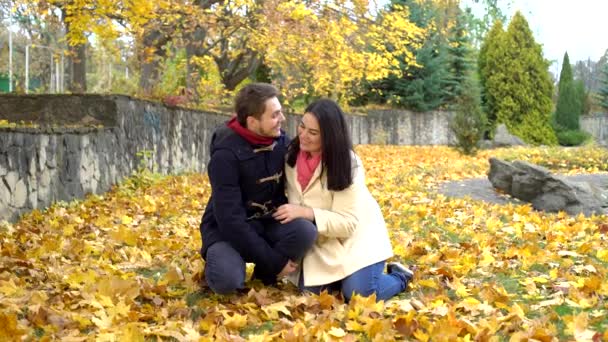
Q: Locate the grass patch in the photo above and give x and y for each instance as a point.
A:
(508, 282)
(155, 273)
(257, 329)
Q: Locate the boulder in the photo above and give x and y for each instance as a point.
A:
(546, 192)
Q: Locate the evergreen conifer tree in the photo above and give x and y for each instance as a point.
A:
(422, 87)
(603, 91)
(459, 54)
(518, 85)
(569, 102)
(583, 95)
(490, 54)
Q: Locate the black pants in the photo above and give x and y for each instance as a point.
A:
(225, 268)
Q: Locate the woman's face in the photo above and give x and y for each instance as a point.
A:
(310, 134)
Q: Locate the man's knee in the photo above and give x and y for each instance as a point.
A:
(306, 233)
(225, 281)
(224, 268)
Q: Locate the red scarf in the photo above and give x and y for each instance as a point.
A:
(251, 137)
(306, 164)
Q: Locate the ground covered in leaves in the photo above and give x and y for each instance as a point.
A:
(125, 265)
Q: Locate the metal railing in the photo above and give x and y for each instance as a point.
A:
(58, 81)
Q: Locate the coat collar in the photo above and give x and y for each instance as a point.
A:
(315, 177)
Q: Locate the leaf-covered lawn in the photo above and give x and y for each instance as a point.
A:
(125, 265)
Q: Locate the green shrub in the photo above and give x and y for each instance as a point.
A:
(469, 122)
(572, 137)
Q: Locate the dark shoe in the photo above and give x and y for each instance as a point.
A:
(393, 267)
(263, 277)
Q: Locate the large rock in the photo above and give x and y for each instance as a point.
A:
(502, 138)
(535, 184)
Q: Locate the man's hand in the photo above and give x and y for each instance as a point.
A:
(289, 212)
(289, 268)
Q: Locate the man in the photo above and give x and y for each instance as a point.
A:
(247, 185)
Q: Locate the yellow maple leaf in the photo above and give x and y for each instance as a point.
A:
(120, 310)
(462, 291)
(68, 230)
(337, 332)
(9, 328)
(149, 205)
(428, 283)
(421, 335)
(553, 273)
(354, 326)
(191, 334)
(104, 300)
(487, 258)
(78, 279)
(577, 326)
(272, 310)
(125, 235)
(602, 254)
(102, 320)
(126, 219)
(233, 320)
(9, 288)
(469, 304)
(541, 280)
(132, 332)
(173, 276)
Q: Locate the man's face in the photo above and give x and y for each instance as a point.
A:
(269, 123)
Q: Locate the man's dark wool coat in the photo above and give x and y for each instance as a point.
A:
(247, 186)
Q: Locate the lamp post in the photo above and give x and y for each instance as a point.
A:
(10, 47)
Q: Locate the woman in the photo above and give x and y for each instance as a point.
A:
(326, 185)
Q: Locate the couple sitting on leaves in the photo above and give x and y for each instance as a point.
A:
(299, 210)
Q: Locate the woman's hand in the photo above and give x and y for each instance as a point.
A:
(289, 212)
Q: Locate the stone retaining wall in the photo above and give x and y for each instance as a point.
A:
(102, 140)
(86, 143)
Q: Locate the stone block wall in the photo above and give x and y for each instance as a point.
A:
(84, 144)
(597, 125)
(402, 127)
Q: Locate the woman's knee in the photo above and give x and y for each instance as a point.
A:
(350, 289)
(363, 282)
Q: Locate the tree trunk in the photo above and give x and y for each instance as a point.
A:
(194, 48)
(77, 62)
(234, 71)
(154, 39)
(78, 69)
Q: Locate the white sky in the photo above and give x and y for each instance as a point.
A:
(578, 27)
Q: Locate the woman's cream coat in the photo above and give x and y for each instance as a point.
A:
(352, 231)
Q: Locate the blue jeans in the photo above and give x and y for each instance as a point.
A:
(364, 282)
(225, 268)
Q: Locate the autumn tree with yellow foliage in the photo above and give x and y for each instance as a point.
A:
(322, 49)
(76, 21)
(312, 48)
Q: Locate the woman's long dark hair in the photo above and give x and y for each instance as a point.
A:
(336, 145)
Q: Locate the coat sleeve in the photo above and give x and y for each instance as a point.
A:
(341, 221)
(230, 214)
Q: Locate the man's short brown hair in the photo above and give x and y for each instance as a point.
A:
(251, 101)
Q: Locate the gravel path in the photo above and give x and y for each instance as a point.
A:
(481, 189)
